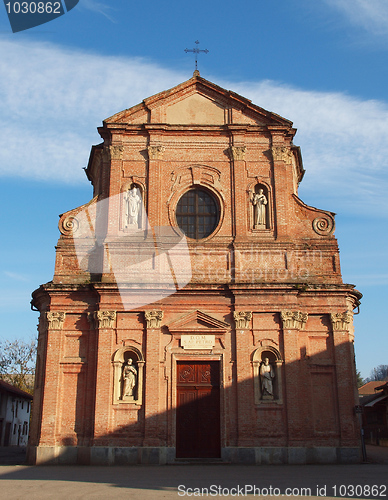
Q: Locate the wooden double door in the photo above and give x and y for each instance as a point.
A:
(198, 410)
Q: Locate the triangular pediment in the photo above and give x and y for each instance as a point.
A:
(198, 321)
(198, 102)
(196, 109)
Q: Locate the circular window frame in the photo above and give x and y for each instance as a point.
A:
(174, 204)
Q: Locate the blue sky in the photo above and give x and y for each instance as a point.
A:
(321, 64)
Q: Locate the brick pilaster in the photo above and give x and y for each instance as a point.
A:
(50, 401)
(244, 380)
(293, 321)
(105, 324)
(343, 356)
(152, 377)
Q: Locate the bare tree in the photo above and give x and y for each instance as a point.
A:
(17, 363)
(378, 373)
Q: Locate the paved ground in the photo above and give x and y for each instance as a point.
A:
(173, 482)
(377, 454)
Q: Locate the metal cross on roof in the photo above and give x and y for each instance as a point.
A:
(196, 51)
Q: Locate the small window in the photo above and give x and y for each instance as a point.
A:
(197, 213)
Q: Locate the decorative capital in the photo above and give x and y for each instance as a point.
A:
(242, 319)
(55, 320)
(155, 152)
(282, 153)
(153, 318)
(113, 152)
(105, 319)
(341, 321)
(294, 319)
(116, 152)
(237, 152)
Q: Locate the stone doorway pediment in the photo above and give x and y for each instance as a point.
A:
(198, 322)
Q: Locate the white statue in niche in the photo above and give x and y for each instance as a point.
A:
(259, 201)
(129, 378)
(267, 375)
(132, 201)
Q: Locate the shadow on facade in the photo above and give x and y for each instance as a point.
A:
(310, 420)
(216, 414)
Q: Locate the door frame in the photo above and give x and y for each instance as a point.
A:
(200, 357)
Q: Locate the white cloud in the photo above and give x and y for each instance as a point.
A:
(372, 15)
(99, 7)
(52, 100)
(15, 300)
(16, 276)
(343, 142)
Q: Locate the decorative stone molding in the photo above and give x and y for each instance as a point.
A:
(323, 226)
(55, 320)
(70, 222)
(153, 318)
(294, 319)
(69, 225)
(113, 152)
(116, 152)
(242, 319)
(105, 319)
(341, 321)
(195, 174)
(155, 152)
(282, 153)
(237, 152)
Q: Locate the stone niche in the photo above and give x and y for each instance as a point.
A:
(275, 371)
(260, 207)
(128, 366)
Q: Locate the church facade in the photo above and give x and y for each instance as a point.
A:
(197, 309)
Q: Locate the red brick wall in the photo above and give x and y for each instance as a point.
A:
(292, 264)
